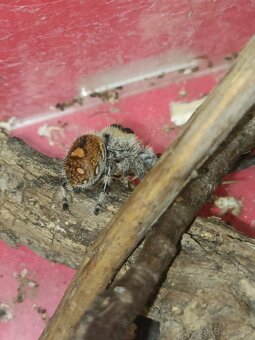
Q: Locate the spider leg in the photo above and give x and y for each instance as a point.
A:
(126, 182)
(65, 204)
(106, 183)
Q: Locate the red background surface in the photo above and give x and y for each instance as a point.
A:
(48, 48)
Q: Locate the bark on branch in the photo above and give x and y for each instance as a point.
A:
(30, 205)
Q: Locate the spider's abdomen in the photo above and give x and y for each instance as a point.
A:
(85, 161)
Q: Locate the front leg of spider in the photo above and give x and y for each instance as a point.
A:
(65, 204)
(127, 183)
(107, 179)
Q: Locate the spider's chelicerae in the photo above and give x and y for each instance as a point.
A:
(101, 156)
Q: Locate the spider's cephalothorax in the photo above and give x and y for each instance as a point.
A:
(98, 157)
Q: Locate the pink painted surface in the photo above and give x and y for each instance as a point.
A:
(240, 185)
(147, 113)
(49, 47)
(46, 54)
(43, 285)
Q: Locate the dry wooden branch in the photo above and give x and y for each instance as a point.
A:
(30, 206)
(209, 293)
(118, 305)
(218, 115)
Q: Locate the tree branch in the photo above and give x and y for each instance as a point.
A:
(30, 205)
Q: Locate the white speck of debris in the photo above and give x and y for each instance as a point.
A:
(48, 131)
(23, 273)
(8, 124)
(124, 295)
(181, 112)
(175, 309)
(182, 93)
(83, 92)
(44, 316)
(31, 284)
(5, 313)
(111, 208)
(228, 182)
(187, 71)
(228, 204)
(58, 228)
(194, 174)
(120, 290)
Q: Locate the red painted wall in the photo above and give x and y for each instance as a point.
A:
(48, 47)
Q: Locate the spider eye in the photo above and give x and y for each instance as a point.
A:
(106, 136)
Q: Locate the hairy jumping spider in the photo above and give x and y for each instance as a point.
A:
(99, 157)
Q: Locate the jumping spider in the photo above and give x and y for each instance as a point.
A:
(99, 157)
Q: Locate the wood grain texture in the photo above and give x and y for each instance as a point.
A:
(212, 122)
(209, 292)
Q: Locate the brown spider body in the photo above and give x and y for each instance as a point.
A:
(99, 157)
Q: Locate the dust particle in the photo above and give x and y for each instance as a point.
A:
(5, 313)
(228, 204)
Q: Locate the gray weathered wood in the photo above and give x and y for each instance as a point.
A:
(30, 205)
